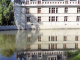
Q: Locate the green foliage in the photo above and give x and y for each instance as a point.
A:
(76, 58)
(73, 55)
(7, 45)
(69, 54)
(0, 19)
(1, 10)
(76, 53)
(6, 12)
(4, 3)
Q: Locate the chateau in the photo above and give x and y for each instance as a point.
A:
(47, 14)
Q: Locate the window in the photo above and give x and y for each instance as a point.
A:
(39, 1)
(53, 10)
(52, 58)
(78, 10)
(39, 38)
(52, 46)
(55, 38)
(64, 46)
(66, 9)
(65, 18)
(49, 46)
(65, 38)
(28, 54)
(27, 11)
(53, 18)
(76, 45)
(39, 10)
(39, 19)
(50, 10)
(48, 58)
(76, 38)
(39, 54)
(49, 18)
(56, 18)
(56, 10)
(78, 1)
(55, 46)
(78, 18)
(28, 19)
(27, 1)
(66, 1)
(49, 38)
(39, 46)
(52, 38)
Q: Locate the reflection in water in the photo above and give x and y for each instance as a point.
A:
(39, 44)
(7, 44)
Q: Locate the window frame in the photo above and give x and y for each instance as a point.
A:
(39, 38)
(28, 19)
(65, 18)
(27, 10)
(65, 38)
(66, 9)
(76, 38)
(39, 18)
(39, 10)
(78, 18)
(78, 9)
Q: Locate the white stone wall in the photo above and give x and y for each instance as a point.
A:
(46, 9)
(21, 21)
(72, 10)
(72, 18)
(61, 10)
(17, 15)
(60, 18)
(33, 10)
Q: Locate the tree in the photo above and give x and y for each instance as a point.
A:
(76, 57)
(6, 12)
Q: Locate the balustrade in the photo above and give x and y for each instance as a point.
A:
(28, 2)
(33, 2)
(47, 2)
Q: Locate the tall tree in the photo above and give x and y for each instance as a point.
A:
(6, 12)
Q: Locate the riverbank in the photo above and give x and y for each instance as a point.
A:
(14, 27)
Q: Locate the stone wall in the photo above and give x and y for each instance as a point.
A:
(10, 27)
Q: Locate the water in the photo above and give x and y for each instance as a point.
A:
(38, 44)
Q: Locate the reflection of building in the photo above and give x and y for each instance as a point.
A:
(39, 55)
(49, 39)
(48, 42)
(50, 13)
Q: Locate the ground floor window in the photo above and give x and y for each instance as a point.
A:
(28, 19)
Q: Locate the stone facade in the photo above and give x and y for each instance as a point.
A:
(44, 14)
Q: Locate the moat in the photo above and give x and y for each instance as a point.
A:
(38, 44)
